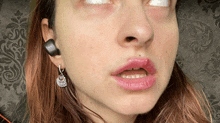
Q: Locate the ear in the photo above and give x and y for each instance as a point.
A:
(48, 33)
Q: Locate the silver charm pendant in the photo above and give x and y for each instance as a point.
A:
(61, 80)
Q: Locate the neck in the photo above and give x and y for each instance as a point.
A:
(111, 117)
(104, 115)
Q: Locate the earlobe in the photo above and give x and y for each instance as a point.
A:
(49, 45)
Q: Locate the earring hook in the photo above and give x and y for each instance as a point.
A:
(61, 71)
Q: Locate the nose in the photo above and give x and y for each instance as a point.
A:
(135, 30)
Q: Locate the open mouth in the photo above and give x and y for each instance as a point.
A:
(137, 74)
(133, 73)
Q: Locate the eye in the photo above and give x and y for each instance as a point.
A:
(162, 3)
(97, 1)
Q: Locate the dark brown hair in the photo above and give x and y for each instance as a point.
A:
(48, 103)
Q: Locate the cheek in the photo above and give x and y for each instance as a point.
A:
(84, 52)
(85, 49)
(164, 48)
(166, 42)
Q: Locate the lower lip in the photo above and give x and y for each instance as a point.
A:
(136, 84)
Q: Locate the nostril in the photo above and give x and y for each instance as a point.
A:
(130, 38)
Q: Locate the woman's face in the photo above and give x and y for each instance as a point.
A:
(96, 40)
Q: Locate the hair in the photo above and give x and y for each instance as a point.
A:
(48, 103)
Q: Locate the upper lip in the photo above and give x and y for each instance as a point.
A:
(144, 63)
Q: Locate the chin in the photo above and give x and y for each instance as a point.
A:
(136, 111)
(138, 107)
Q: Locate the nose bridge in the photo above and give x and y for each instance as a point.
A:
(138, 21)
(136, 11)
(135, 25)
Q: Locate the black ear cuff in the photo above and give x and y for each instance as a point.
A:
(51, 48)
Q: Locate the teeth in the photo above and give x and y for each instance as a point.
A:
(133, 76)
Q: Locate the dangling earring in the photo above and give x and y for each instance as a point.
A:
(61, 80)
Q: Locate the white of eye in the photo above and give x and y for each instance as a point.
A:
(97, 1)
(163, 3)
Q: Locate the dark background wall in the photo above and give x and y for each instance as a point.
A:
(198, 54)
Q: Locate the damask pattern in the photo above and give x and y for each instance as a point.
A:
(214, 6)
(1, 2)
(199, 49)
(12, 56)
(12, 60)
(198, 54)
(199, 35)
(212, 67)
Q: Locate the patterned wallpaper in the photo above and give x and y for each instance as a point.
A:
(198, 54)
(13, 26)
(199, 49)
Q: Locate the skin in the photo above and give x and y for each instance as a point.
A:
(92, 41)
